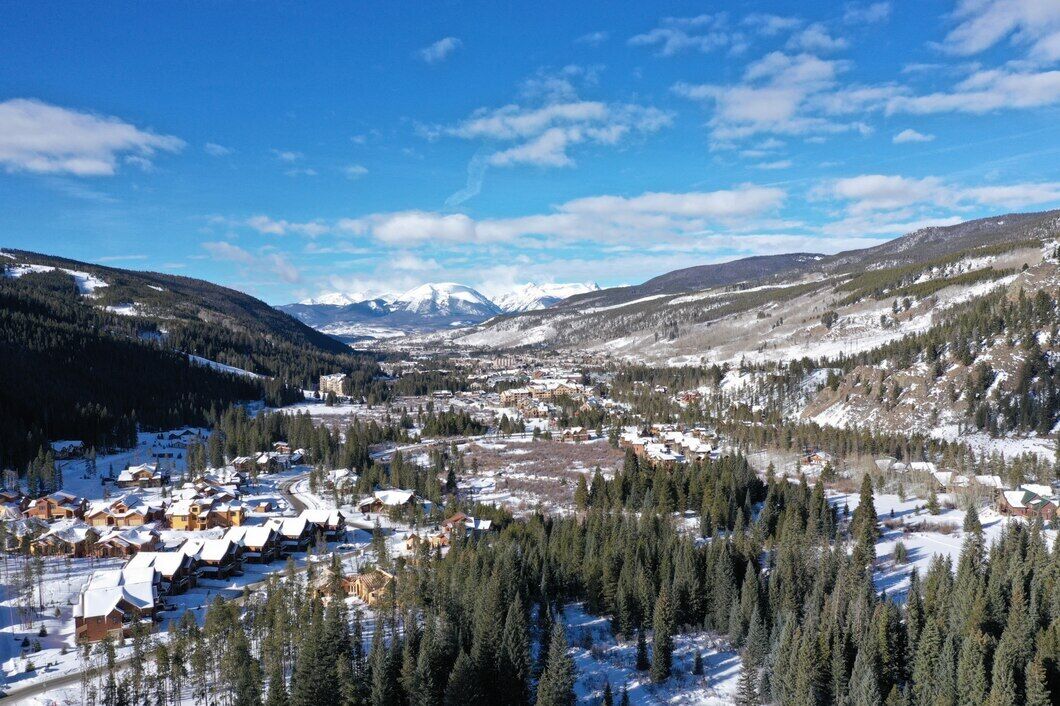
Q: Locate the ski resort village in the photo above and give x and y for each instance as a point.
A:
(681, 353)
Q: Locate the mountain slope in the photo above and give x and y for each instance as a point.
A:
(531, 297)
(773, 306)
(428, 307)
(90, 352)
(445, 300)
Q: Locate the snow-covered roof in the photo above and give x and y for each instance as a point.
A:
(166, 563)
(216, 549)
(394, 497)
(106, 590)
(322, 517)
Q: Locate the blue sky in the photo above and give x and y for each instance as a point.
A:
(291, 150)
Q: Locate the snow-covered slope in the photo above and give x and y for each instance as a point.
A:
(531, 296)
(445, 299)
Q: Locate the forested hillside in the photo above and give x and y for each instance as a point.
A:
(73, 366)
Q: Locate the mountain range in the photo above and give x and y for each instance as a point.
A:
(352, 316)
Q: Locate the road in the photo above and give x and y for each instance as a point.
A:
(43, 686)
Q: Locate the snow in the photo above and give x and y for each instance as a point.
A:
(222, 367)
(444, 298)
(124, 309)
(86, 283)
(922, 544)
(532, 296)
(600, 658)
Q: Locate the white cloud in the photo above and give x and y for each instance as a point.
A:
(215, 150)
(545, 134)
(985, 91)
(273, 262)
(771, 25)
(857, 13)
(593, 38)
(607, 218)
(270, 226)
(983, 23)
(777, 164)
(355, 171)
(871, 193)
(816, 38)
(703, 33)
(47, 139)
(288, 156)
(911, 135)
(780, 94)
(411, 263)
(440, 50)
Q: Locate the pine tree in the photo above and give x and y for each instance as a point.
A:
(972, 681)
(515, 662)
(248, 676)
(643, 663)
(463, 687)
(608, 698)
(556, 686)
(747, 687)
(662, 637)
(864, 680)
(1036, 690)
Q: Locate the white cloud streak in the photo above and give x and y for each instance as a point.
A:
(41, 138)
(440, 50)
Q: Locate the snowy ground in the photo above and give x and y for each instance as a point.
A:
(941, 534)
(600, 658)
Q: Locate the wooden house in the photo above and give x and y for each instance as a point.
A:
(371, 586)
(57, 506)
(145, 475)
(113, 602)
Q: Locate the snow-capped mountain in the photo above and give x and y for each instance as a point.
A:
(428, 307)
(336, 299)
(445, 299)
(532, 296)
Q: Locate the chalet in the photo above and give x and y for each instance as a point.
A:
(247, 464)
(271, 462)
(10, 512)
(383, 499)
(20, 532)
(371, 586)
(70, 538)
(226, 477)
(662, 453)
(176, 569)
(126, 511)
(576, 434)
(281, 447)
(1028, 501)
(469, 526)
(295, 533)
(205, 513)
(259, 544)
(884, 463)
(217, 558)
(57, 506)
(113, 602)
(125, 543)
(70, 448)
(330, 522)
(145, 475)
(340, 478)
(12, 497)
